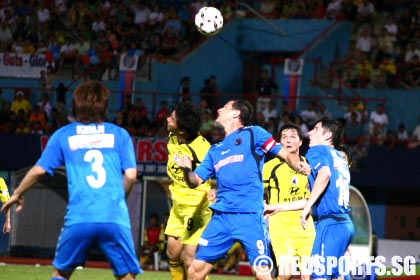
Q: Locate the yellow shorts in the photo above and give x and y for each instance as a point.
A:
(285, 247)
(188, 223)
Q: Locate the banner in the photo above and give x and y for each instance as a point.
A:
(18, 65)
(292, 76)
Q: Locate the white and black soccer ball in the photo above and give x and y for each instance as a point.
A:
(209, 21)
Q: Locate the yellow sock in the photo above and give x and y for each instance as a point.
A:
(207, 278)
(177, 270)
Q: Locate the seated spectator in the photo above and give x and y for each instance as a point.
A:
(303, 127)
(363, 72)
(68, 54)
(402, 135)
(37, 117)
(412, 77)
(7, 118)
(379, 118)
(385, 45)
(353, 130)
(352, 109)
(271, 111)
(21, 102)
(412, 50)
(310, 116)
(387, 73)
(207, 126)
(365, 14)
(333, 9)
(6, 38)
(161, 115)
(391, 28)
(170, 42)
(152, 241)
(45, 105)
(268, 8)
(390, 139)
(365, 42)
(416, 132)
(323, 112)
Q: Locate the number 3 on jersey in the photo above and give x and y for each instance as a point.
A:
(98, 179)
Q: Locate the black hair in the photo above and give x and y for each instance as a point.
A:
(346, 149)
(245, 109)
(189, 118)
(291, 126)
(336, 129)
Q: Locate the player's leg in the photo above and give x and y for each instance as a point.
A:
(283, 251)
(176, 263)
(215, 241)
(174, 230)
(255, 242)
(303, 250)
(71, 249)
(194, 224)
(117, 243)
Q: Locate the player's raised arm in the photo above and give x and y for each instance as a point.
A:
(28, 181)
(192, 179)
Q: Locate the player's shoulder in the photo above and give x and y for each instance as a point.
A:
(272, 163)
(319, 150)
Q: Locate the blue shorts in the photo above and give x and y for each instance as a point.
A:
(116, 242)
(225, 229)
(333, 236)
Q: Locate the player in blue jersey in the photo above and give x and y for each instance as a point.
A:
(329, 183)
(101, 170)
(237, 164)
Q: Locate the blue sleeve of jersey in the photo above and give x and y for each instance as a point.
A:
(127, 154)
(206, 168)
(317, 157)
(264, 140)
(52, 157)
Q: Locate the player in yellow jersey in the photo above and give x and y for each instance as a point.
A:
(4, 196)
(287, 193)
(190, 213)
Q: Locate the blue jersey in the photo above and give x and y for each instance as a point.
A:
(237, 164)
(335, 199)
(95, 156)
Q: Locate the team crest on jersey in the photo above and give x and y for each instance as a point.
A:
(176, 157)
(238, 141)
(295, 181)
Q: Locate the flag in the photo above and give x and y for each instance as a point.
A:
(291, 86)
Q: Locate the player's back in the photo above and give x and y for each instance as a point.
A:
(95, 156)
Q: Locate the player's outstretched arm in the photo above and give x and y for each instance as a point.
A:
(130, 176)
(192, 179)
(321, 183)
(293, 160)
(28, 181)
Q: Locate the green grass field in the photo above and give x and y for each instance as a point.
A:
(32, 272)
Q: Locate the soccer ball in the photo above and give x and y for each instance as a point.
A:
(209, 21)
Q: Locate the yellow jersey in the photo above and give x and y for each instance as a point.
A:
(182, 195)
(4, 192)
(285, 185)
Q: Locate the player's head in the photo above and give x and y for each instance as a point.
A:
(346, 153)
(91, 102)
(245, 111)
(290, 137)
(235, 110)
(185, 119)
(326, 132)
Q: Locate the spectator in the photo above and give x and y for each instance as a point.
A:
(412, 77)
(391, 28)
(207, 126)
(271, 111)
(161, 115)
(45, 106)
(416, 132)
(303, 127)
(170, 42)
(412, 50)
(323, 112)
(365, 42)
(353, 129)
(309, 115)
(37, 117)
(387, 73)
(68, 53)
(285, 120)
(402, 134)
(265, 88)
(333, 9)
(5, 37)
(184, 91)
(379, 118)
(365, 14)
(152, 242)
(21, 102)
